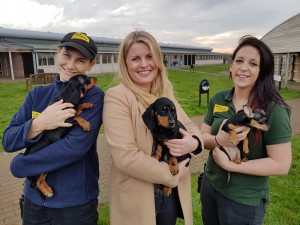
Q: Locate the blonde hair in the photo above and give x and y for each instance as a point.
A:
(161, 86)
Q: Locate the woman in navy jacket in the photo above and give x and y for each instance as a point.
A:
(72, 162)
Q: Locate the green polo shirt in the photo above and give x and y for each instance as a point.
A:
(242, 188)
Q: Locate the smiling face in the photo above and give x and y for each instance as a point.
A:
(245, 67)
(72, 62)
(141, 66)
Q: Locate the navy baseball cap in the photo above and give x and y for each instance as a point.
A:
(81, 42)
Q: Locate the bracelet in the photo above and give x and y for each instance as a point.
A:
(199, 148)
(217, 141)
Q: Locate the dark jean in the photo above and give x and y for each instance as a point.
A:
(168, 208)
(219, 210)
(86, 214)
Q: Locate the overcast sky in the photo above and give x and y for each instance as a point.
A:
(217, 24)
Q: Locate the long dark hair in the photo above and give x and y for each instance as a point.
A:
(264, 91)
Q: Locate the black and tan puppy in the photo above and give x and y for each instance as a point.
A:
(248, 118)
(71, 92)
(161, 119)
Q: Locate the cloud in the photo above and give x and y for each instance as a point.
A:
(13, 14)
(121, 11)
(217, 24)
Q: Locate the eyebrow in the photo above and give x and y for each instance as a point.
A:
(241, 57)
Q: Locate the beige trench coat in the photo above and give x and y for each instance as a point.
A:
(133, 171)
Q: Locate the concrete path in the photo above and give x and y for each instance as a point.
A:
(11, 188)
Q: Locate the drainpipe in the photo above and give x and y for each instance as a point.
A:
(11, 66)
(287, 70)
(34, 57)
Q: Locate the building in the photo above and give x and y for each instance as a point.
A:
(23, 52)
(284, 41)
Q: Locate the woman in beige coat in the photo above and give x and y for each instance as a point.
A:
(133, 171)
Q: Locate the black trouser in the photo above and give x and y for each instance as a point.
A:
(219, 210)
(86, 214)
(168, 208)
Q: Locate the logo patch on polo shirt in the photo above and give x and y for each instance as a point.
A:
(220, 108)
(35, 114)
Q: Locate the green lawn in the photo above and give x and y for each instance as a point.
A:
(285, 191)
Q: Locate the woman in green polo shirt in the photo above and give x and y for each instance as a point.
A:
(243, 200)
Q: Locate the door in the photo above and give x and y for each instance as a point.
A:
(27, 63)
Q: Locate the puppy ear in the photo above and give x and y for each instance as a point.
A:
(148, 117)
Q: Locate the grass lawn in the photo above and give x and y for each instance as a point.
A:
(284, 201)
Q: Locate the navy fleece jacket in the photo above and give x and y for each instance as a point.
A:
(72, 162)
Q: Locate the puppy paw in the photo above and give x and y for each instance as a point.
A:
(174, 170)
(237, 161)
(167, 190)
(86, 126)
(87, 105)
(45, 190)
(158, 152)
(173, 165)
(48, 194)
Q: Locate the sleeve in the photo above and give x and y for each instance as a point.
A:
(73, 147)
(15, 135)
(191, 127)
(280, 127)
(125, 138)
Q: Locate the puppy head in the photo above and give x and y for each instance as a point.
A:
(160, 113)
(75, 88)
(80, 82)
(259, 120)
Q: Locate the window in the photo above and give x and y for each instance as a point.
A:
(115, 58)
(42, 59)
(46, 59)
(106, 58)
(97, 59)
(51, 59)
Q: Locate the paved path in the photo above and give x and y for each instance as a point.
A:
(11, 188)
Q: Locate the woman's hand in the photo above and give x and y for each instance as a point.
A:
(179, 147)
(52, 117)
(223, 138)
(222, 159)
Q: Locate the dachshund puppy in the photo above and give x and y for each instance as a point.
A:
(161, 119)
(248, 118)
(72, 91)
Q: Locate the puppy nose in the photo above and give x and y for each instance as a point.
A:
(171, 123)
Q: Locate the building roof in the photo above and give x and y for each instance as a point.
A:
(42, 41)
(6, 46)
(178, 47)
(284, 38)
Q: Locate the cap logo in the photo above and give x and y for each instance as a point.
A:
(81, 36)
